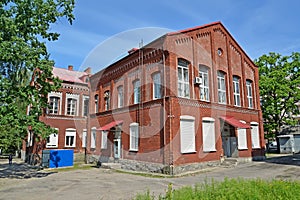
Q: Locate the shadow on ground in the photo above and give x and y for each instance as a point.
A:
(21, 171)
(285, 159)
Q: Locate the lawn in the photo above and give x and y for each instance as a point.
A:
(231, 189)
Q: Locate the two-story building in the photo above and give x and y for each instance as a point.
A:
(67, 112)
(187, 99)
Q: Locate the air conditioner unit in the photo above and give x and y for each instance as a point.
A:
(198, 80)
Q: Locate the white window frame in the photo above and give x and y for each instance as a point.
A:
(96, 98)
(136, 91)
(72, 97)
(54, 105)
(249, 93)
(157, 85)
(107, 100)
(187, 134)
(53, 140)
(242, 137)
(208, 134)
(120, 96)
(84, 99)
(70, 132)
(84, 137)
(221, 87)
(236, 91)
(255, 135)
(183, 79)
(93, 137)
(134, 137)
(104, 139)
(204, 86)
(58, 95)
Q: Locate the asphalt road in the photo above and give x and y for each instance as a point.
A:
(21, 181)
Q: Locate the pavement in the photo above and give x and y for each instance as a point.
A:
(22, 181)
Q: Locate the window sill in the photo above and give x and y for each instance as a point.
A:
(209, 151)
(190, 152)
(133, 150)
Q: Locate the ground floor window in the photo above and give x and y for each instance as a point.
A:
(52, 140)
(187, 134)
(208, 134)
(84, 135)
(134, 137)
(93, 138)
(104, 140)
(70, 140)
(255, 135)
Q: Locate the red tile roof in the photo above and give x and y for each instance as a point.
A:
(110, 125)
(68, 75)
(234, 122)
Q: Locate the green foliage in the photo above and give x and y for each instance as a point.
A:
(232, 189)
(25, 69)
(279, 89)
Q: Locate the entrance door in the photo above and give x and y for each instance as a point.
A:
(229, 141)
(117, 148)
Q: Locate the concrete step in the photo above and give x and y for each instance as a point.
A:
(229, 162)
(111, 165)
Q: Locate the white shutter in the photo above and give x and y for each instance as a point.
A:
(104, 140)
(208, 133)
(134, 136)
(255, 135)
(84, 138)
(242, 138)
(187, 134)
(93, 138)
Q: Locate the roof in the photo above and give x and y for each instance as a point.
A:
(110, 125)
(69, 75)
(193, 28)
(234, 122)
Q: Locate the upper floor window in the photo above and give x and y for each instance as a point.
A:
(85, 106)
(221, 87)
(204, 86)
(183, 79)
(249, 93)
(106, 100)
(71, 106)
(120, 97)
(54, 105)
(96, 103)
(156, 86)
(236, 91)
(136, 91)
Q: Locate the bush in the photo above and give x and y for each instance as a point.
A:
(232, 189)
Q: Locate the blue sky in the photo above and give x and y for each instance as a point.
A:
(104, 30)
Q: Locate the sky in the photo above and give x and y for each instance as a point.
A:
(104, 30)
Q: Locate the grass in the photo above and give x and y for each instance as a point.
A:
(232, 189)
(76, 166)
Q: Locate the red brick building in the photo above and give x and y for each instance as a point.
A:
(187, 99)
(68, 113)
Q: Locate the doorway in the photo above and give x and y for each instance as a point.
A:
(117, 148)
(229, 141)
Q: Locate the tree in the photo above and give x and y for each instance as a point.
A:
(279, 84)
(26, 70)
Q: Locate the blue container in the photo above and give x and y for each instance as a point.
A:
(61, 158)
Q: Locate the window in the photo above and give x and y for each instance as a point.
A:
(221, 87)
(242, 137)
(52, 140)
(70, 140)
(255, 135)
(208, 134)
(236, 91)
(106, 100)
(136, 92)
(183, 79)
(156, 86)
(54, 105)
(134, 137)
(96, 103)
(204, 86)
(85, 105)
(93, 137)
(104, 140)
(249, 93)
(187, 134)
(71, 106)
(84, 135)
(120, 97)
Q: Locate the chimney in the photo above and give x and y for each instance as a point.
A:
(70, 67)
(88, 70)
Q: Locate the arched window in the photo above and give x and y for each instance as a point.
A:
(221, 87)
(249, 93)
(204, 86)
(236, 91)
(183, 78)
(156, 85)
(96, 103)
(136, 91)
(120, 97)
